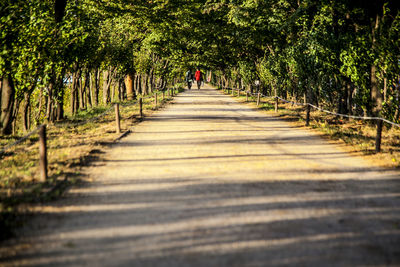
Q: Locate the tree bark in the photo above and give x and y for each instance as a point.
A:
(349, 98)
(151, 81)
(112, 90)
(82, 98)
(37, 117)
(96, 87)
(146, 84)
(88, 89)
(7, 104)
(27, 97)
(85, 90)
(106, 86)
(74, 91)
(397, 112)
(60, 98)
(129, 85)
(376, 95)
(49, 106)
(137, 84)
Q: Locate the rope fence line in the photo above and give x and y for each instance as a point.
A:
(339, 114)
(323, 110)
(2, 151)
(7, 147)
(379, 120)
(41, 129)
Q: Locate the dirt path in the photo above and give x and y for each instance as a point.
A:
(211, 182)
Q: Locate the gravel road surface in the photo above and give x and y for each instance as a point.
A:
(208, 181)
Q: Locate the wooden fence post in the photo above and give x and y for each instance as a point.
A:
(141, 108)
(117, 122)
(378, 138)
(43, 153)
(247, 96)
(258, 99)
(308, 115)
(238, 93)
(276, 104)
(233, 92)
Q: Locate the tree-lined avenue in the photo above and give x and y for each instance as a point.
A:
(209, 181)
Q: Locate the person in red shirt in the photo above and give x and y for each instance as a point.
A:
(199, 78)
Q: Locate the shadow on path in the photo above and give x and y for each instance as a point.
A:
(206, 185)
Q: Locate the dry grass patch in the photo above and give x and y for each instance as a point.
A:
(358, 136)
(71, 144)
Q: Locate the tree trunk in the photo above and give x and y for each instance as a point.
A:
(96, 87)
(349, 98)
(81, 93)
(151, 81)
(137, 84)
(143, 82)
(83, 90)
(384, 89)
(88, 90)
(376, 95)
(60, 107)
(14, 116)
(120, 90)
(112, 90)
(146, 83)
(74, 91)
(106, 86)
(397, 112)
(129, 85)
(7, 104)
(163, 82)
(26, 122)
(37, 117)
(49, 107)
(124, 91)
(59, 112)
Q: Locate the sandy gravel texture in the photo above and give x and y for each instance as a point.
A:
(211, 182)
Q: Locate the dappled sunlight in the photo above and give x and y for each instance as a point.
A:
(213, 190)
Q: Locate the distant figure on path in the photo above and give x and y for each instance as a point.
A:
(199, 78)
(189, 79)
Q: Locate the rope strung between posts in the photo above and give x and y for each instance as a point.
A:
(327, 111)
(355, 117)
(4, 149)
(290, 102)
(7, 147)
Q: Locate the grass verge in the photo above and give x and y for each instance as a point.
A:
(71, 144)
(358, 136)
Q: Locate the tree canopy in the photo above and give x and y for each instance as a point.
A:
(337, 53)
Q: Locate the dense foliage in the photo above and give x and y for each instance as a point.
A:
(61, 56)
